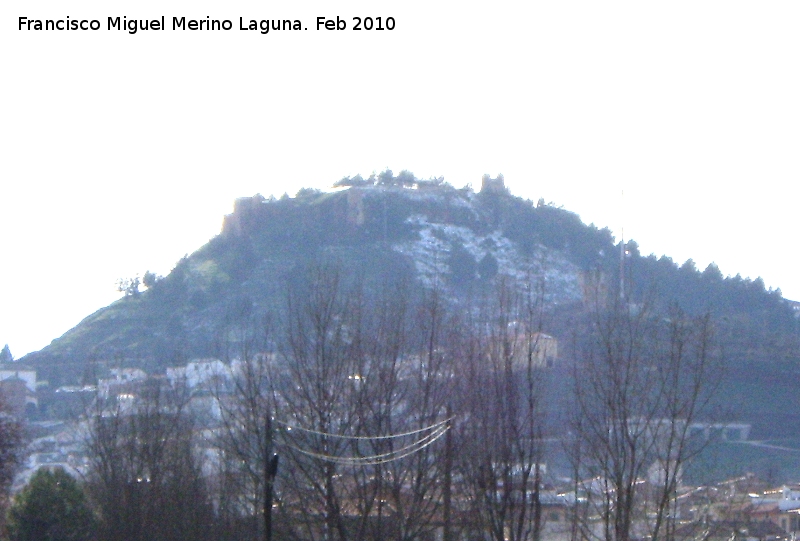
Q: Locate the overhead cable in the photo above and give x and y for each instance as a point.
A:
(374, 460)
(371, 438)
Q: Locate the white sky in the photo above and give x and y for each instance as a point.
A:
(121, 153)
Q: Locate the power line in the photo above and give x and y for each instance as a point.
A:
(344, 436)
(437, 430)
(383, 458)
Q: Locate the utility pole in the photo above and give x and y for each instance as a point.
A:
(448, 478)
(270, 471)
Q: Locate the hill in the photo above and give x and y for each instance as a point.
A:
(389, 229)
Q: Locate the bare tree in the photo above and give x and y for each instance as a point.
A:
(316, 393)
(366, 392)
(643, 380)
(409, 386)
(145, 476)
(248, 461)
(503, 424)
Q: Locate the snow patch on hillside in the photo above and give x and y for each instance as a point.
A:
(431, 251)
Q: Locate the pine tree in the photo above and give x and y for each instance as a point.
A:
(5, 355)
(51, 507)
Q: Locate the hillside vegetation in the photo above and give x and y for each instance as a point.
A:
(427, 234)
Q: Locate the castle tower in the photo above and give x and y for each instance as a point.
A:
(493, 185)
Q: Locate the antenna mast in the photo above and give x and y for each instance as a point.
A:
(622, 248)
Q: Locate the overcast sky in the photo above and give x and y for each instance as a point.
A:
(121, 153)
